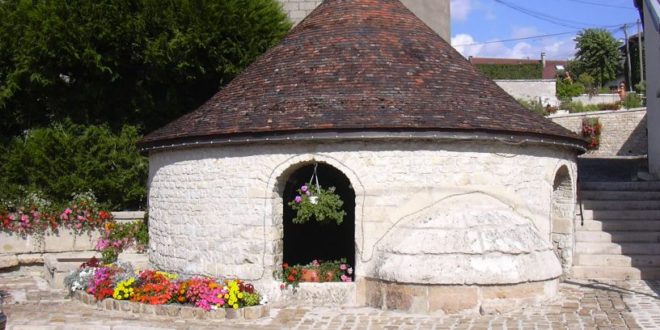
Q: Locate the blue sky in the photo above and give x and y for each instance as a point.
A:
(480, 21)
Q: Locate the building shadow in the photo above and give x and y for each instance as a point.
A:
(637, 142)
(598, 285)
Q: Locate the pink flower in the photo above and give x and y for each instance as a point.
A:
(308, 193)
(345, 278)
(343, 267)
(304, 188)
(24, 218)
(282, 286)
(68, 211)
(80, 218)
(298, 199)
(102, 244)
(315, 263)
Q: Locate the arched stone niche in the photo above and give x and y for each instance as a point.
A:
(303, 243)
(562, 217)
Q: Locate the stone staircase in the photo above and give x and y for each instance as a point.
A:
(620, 238)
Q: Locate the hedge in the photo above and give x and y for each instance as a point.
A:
(67, 158)
(511, 71)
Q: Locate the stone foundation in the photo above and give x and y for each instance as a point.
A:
(451, 299)
(330, 294)
(179, 311)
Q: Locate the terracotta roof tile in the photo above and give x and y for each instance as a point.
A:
(358, 65)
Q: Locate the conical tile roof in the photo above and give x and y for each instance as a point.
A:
(359, 66)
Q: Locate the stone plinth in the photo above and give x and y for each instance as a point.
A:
(179, 311)
(451, 299)
(330, 294)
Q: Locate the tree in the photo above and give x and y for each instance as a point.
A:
(143, 62)
(66, 158)
(598, 54)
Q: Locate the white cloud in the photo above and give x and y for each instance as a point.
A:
(524, 31)
(461, 9)
(461, 42)
(555, 48)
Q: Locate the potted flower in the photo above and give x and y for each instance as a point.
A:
(317, 271)
(322, 204)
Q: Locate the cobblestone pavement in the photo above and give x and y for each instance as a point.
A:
(30, 304)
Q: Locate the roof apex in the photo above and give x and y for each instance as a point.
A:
(359, 65)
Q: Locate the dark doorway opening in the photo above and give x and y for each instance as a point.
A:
(306, 242)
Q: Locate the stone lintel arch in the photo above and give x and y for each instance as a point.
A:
(277, 182)
(562, 215)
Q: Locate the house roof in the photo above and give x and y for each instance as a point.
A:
(548, 72)
(358, 66)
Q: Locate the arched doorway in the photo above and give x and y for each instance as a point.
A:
(313, 241)
(563, 213)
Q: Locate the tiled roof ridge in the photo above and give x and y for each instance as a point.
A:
(358, 64)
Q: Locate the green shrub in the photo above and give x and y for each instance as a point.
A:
(511, 71)
(574, 107)
(608, 106)
(632, 100)
(67, 158)
(641, 88)
(567, 89)
(533, 106)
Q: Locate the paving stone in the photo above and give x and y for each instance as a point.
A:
(617, 305)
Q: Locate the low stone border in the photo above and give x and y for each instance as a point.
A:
(182, 312)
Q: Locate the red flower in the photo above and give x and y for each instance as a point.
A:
(290, 278)
(285, 265)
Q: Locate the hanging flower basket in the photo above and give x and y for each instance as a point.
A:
(314, 201)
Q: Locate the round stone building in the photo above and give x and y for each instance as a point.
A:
(456, 197)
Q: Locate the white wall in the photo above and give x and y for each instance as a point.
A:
(218, 211)
(597, 99)
(652, 46)
(543, 90)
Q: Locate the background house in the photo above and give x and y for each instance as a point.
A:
(650, 10)
(652, 28)
(526, 79)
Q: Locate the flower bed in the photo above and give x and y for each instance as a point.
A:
(317, 271)
(36, 216)
(591, 128)
(113, 285)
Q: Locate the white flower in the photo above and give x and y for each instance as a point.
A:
(264, 300)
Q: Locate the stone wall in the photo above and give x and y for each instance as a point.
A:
(543, 90)
(218, 211)
(624, 132)
(16, 249)
(597, 99)
(435, 13)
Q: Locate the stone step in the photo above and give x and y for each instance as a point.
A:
(615, 237)
(620, 214)
(615, 273)
(620, 205)
(620, 186)
(617, 248)
(613, 260)
(619, 225)
(620, 195)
